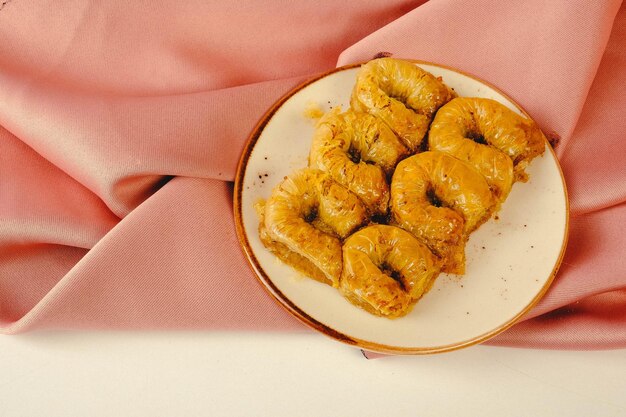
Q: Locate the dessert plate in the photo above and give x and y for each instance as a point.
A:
(511, 260)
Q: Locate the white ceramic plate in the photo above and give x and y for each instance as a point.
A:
(511, 259)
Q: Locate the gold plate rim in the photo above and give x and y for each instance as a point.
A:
(267, 283)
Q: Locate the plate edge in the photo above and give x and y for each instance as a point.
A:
(277, 295)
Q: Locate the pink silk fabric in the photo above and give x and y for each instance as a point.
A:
(121, 124)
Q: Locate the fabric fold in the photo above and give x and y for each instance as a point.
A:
(147, 273)
(193, 135)
(536, 51)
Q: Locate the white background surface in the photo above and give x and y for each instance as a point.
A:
(259, 374)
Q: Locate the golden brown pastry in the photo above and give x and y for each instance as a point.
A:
(307, 214)
(497, 142)
(359, 151)
(435, 199)
(283, 252)
(386, 270)
(440, 199)
(401, 94)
